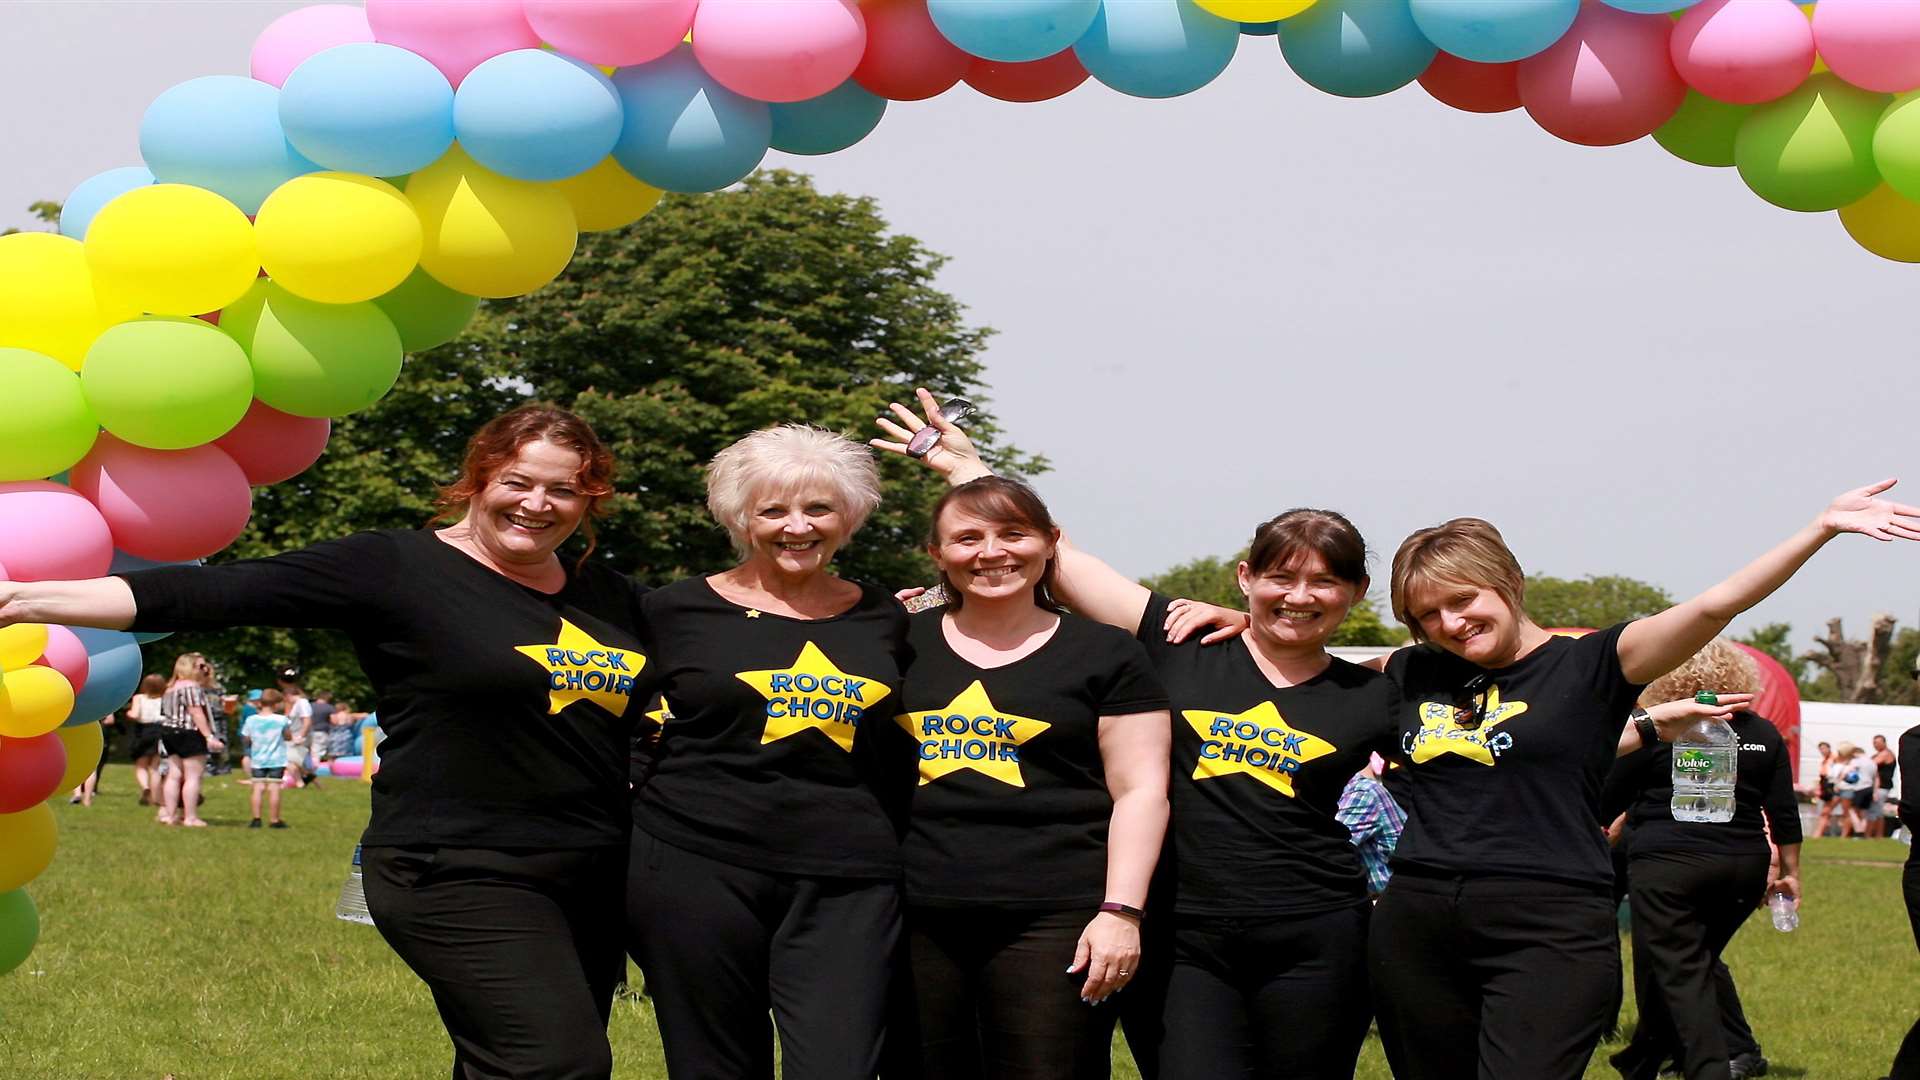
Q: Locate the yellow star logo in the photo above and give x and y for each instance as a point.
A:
(812, 693)
(971, 734)
(581, 669)
(1440, 731)
(660, 715)
(1257, 742)
(753, 613)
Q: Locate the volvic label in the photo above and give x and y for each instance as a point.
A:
(1692, 762)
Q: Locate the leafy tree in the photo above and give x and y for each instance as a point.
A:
(45, 210)
(1595, 601)
(713, 316)
(1212, 580)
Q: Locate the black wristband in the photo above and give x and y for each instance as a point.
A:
(1643, 723)
(1123, 909)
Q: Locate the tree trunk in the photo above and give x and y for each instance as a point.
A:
(1855, 665)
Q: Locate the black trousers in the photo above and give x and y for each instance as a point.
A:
(1686, 907)
(520, 948)
(987, 997)
(722, 946)
(1906, 1066)
(1490, 977)
(1273, 998)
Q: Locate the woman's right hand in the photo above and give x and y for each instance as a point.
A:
(1185, 616)
(953, 457)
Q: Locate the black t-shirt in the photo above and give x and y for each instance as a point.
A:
(1257, 774)
(507, 711)
(1519, 795)
(1642, 784)
(766, 759)
(1909, 758)
(1011, 808)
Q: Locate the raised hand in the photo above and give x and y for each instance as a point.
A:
(1862, 511)
(954, 457)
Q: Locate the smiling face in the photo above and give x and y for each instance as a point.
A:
(1299, 602)
(530, 505)
(1470, 621)
(988, 559)
(797, 532)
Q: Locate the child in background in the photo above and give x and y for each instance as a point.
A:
(266, 734)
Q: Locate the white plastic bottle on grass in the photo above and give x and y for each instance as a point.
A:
(1706, 765)
(353, 896)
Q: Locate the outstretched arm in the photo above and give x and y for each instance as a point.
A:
(105, 603)
(1651, 647)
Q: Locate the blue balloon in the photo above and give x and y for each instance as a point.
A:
(1013, 31)
(829, 123)
(222, 133)
(368, 108)
(113, 674)
(685, 132)
(122, 563)
(537, 115)
(1494, 31)
(1260, 29)
(1356, 48)
(1157, 48)
(1650, 7)
(95, 192)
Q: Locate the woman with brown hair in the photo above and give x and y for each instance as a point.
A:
(143, 736)
(507, 680)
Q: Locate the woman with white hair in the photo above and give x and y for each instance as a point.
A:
(764, 870)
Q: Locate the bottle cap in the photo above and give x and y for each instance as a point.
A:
(1707, 697)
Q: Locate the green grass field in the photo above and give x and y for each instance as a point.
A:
(214, 953)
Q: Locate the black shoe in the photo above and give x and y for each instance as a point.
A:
(278, 825)
(254, 824)
(1745, 1065)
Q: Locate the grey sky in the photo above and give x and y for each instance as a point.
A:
(1260, 296)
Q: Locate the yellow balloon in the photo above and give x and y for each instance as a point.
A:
(50, 301)
(1255, 11)
(338, 238)
(1885, 223)
(22, 643)
(33, 701)
(27, 841)
(607, 197)
(172, 249)
(487, 234)
(83, 743)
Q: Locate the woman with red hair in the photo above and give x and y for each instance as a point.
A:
(508, 682)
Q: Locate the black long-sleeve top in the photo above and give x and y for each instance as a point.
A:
(1641, 783)
(507, 710)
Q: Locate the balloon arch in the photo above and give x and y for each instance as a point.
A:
(290, 236)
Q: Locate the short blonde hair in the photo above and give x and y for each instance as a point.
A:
(1465, 551)
(790, 459)
(1720, 668)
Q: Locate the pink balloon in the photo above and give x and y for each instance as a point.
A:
(66, 655)
(612, 32)
(271, 446)
(30, 771)
(1743, 51)
(1608, 80)
(165, 505)
(789, 51)
(289, 40)
(51, 533)
(454, 35)
(1873, 44)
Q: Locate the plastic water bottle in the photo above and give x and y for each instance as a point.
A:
(1706, 765)
(353, 896)
(1786, 912)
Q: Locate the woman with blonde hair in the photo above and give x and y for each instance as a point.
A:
(1693, 884)
(186, 717)
(764, 866)
(1494, 952)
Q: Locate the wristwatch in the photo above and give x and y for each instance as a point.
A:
(1643, 723)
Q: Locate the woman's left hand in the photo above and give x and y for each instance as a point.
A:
(1109, 952)
(1185, 616)
(1860, 511)
(953, 457)
(1673, 718)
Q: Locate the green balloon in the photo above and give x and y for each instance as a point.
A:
(45, 425)
(426, 312)
(1896, 145)
(167, 382)
(19, 928)
(1813, 149)
(1703, 130)
(314, 359)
